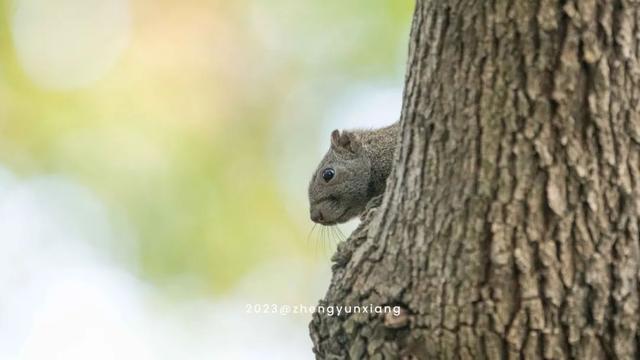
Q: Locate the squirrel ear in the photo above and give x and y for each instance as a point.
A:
(335, 138)
(345, 141)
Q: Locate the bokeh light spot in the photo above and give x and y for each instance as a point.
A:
(68, 44)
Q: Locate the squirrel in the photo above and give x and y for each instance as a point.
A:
(352, 176)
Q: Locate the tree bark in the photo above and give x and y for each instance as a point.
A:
(509, 228)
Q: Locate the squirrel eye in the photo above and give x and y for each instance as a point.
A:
(328, 174)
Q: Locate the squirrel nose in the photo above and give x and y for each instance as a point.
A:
(316, 215)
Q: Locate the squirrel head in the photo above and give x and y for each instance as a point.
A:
(339, 188)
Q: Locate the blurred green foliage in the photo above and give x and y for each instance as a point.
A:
(176, 136)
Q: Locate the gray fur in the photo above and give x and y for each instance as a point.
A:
(362, 162)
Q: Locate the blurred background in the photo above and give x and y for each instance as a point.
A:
(154, 162)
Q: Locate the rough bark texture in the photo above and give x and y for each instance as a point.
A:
(509, 228)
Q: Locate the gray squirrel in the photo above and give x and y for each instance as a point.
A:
(352, 176)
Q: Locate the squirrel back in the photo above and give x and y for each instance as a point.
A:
(353, 171)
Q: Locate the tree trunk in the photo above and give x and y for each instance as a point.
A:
(509, 227)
